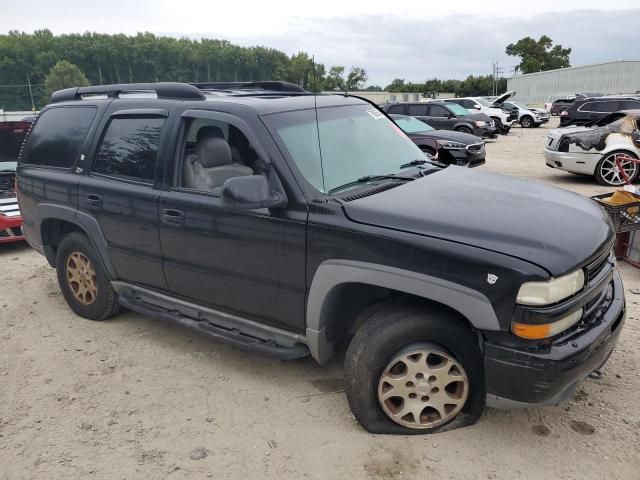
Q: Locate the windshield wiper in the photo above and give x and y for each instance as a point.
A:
(370, 178)
(415, 163)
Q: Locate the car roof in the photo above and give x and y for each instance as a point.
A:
(608, 97)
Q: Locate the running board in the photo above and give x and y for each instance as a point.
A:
(237, 331)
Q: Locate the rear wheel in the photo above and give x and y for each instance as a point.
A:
(412, 370)
(607, 172)
(526, 122)
(83, 280)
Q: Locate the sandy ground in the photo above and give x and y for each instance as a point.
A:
(135, 398)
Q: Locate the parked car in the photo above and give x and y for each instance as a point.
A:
(12, 135)
(529, 117)
(592, 150)
(504, 119)
(586, 110)
(447, 116)
(560, 105)
(449, 147)
(288, 223)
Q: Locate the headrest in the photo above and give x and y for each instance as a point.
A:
(209, 131)
(213, 152)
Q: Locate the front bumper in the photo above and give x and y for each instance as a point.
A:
(584, 163)
(524, 375)
(10, 221)
(463, 157)
(486, 132)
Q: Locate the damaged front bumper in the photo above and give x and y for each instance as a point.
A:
(525, 375)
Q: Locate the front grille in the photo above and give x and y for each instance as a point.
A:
(7, 185)
(594, 269)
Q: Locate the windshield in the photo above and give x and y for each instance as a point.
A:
(353, 141)
(483, 102)
(8, 166)
(411, 124)
(457, 109)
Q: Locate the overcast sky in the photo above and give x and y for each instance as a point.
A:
(415, 40)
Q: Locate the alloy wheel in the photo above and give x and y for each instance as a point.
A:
(610, 172)
(81, 277)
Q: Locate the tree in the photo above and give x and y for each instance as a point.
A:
(540, 55)
(356, 78)
(397, 85)
(334, 80)
(64, 75)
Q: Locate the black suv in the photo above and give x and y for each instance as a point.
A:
(289, 224)
(586, 110)
(447, 116)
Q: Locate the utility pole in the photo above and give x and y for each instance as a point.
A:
(33, 105)
(496, 73)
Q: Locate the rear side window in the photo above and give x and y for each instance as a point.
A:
(439, 111)
(396, 109)
(629, 104)
(57, 136)
(129, 149)
(418, 110)
(606, 107)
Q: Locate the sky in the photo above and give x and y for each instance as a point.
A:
(414, 40)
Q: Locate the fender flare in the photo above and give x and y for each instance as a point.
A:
(471, 304)
(85, 222)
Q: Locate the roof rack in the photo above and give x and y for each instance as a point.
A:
(173, 90)
(273, 86)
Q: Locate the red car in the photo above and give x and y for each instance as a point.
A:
(12, 135)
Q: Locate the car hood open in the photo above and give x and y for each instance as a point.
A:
(550, 227)
(502, 98)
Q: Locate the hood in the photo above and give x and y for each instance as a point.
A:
(553, 228)
(465, 138)
(503, 98)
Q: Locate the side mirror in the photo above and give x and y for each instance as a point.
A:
(251, 192)
(477, 107)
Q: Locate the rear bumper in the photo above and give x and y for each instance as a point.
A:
(10, 229)
(520, 377)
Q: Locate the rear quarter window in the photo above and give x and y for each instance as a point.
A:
(57, 136)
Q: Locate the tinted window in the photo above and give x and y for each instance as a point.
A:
(468, 104)
(419, 110)
(57, 136)
(439, 111)
(129, 148)
(396, 109)
(629, 105)
(606, 106)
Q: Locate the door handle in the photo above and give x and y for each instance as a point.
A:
(172, 217)
(94, 202)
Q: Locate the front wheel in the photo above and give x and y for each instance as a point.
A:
(464, 130)
(526, 122)
(412, 369)
(607, 172)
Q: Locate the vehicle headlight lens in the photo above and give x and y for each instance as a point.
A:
(551, 291)
(451, 145)
(480, 123)
(546, 330)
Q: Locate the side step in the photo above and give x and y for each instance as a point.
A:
(231, 335)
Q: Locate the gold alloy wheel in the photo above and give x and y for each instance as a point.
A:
(81, 278)
(423, 388)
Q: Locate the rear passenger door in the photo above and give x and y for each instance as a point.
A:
(420, 111)
(119, 193)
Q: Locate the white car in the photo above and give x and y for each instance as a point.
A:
(504, 120)
(529, 117)
(593, 149)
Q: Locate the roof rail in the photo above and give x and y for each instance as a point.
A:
(173, 90)
(274, 86)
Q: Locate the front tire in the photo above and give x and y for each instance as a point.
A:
(464, 130)
(83, 280)
(606, 172)
(413, 369)
(526, 122)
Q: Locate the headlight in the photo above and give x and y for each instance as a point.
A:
(545, 330)
(480, 123)
(551, 291)
(451, 145)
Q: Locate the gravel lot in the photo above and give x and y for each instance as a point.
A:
(136, 398)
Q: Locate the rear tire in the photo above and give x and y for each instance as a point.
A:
(392, 330)
(605, 170)
(83, 280)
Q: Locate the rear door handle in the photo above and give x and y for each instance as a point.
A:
(94, 202)
(172, 217)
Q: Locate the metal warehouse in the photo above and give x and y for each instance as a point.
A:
(611, 77)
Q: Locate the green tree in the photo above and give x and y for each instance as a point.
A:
(397, 85)
(539, 55)
(64, 75)
(334, 80)
(356, 78)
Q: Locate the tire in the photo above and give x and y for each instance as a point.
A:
(428, 150)
(606, 176)
(393, 329)
(83, 280)
(464, 130)
(500, 126)
(526, 122)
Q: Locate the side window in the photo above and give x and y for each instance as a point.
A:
(438, 111)
(396, 109)
(418, 110)
(588, 107)
(629, 105)
(129, 149)
(470, 104)
(57, 136)
(213, 152)
(606, 107)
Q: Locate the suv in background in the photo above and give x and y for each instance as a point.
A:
(446, 116)
(529, 117)
(588, 110)
(289, 223)
(504, 118)
(560, 105)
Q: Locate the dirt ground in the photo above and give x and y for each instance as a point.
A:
(135, 398)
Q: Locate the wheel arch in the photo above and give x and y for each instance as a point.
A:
(342, 288)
